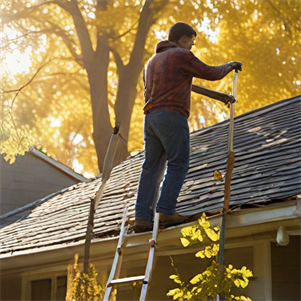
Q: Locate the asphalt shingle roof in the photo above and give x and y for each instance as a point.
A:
(267, 169)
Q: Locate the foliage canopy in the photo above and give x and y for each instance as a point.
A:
(90, 55)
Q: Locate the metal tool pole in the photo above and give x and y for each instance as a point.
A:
(230, 166)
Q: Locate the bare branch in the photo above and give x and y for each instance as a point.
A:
(23, 13)
(279, 13)
(29, 82)
(118, 60)
(10, 110)
(70, 45)
(143, 27)
(126, 32)
(83, 33)
(65, 5)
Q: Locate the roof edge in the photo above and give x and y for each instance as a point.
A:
(239, 219)
(66, 169)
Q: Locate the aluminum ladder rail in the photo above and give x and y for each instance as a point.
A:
(114, 279)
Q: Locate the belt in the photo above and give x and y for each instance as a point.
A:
(159, 109)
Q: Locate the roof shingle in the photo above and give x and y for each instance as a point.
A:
(267, 169)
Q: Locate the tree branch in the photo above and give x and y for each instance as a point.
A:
(29, 82)
(10, 110)
(70, 45)
(279, 13)
(118, 59)
(126, 32)
(145, 21)
(65, 5)
(72, 8)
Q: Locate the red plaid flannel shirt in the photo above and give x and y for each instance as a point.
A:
(168, 77)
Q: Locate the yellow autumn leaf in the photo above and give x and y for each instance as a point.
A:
(187, 231)
(188, 295)
(246, 272)
(237, 282)
(173, 292)
(200, 254)
(196, 279)
(244, 283)
(212, 234)
(185, 242)
(199, 290)
(195, 234)
(200, 238)
(178, 295)
(243, 298)
(194, 288)
(217, 175)
(208, 253)
(203, 222)
(215, 249)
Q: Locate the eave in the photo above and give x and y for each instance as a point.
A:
(244, 227)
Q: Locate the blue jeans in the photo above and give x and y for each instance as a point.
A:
(166, 138)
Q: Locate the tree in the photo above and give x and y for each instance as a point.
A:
(97, 35)
(13, 139)
(94, 52)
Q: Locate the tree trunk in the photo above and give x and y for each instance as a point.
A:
(96, 63)
(125, 101)
(129, 74)
(97, 74)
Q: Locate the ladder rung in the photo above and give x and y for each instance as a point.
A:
(127, 279)
(135, 245)
(116, 266)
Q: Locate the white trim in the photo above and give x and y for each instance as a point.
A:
(41, 274)
(263, 267)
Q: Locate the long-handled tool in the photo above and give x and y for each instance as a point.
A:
(223, 97)
(230, 166)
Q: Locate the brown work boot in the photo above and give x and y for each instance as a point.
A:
(167, 220)
(142, 225)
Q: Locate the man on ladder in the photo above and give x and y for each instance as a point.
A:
(168, 82)
(167, 88)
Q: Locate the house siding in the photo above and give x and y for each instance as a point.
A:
(286, 284)
(10, 288)
(27, 180)
(188, 266)
(284, 281)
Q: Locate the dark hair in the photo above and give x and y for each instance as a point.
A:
(179, 30)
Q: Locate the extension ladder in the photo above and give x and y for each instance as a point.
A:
(114, 279)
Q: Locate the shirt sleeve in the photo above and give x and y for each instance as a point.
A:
(192, 65)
